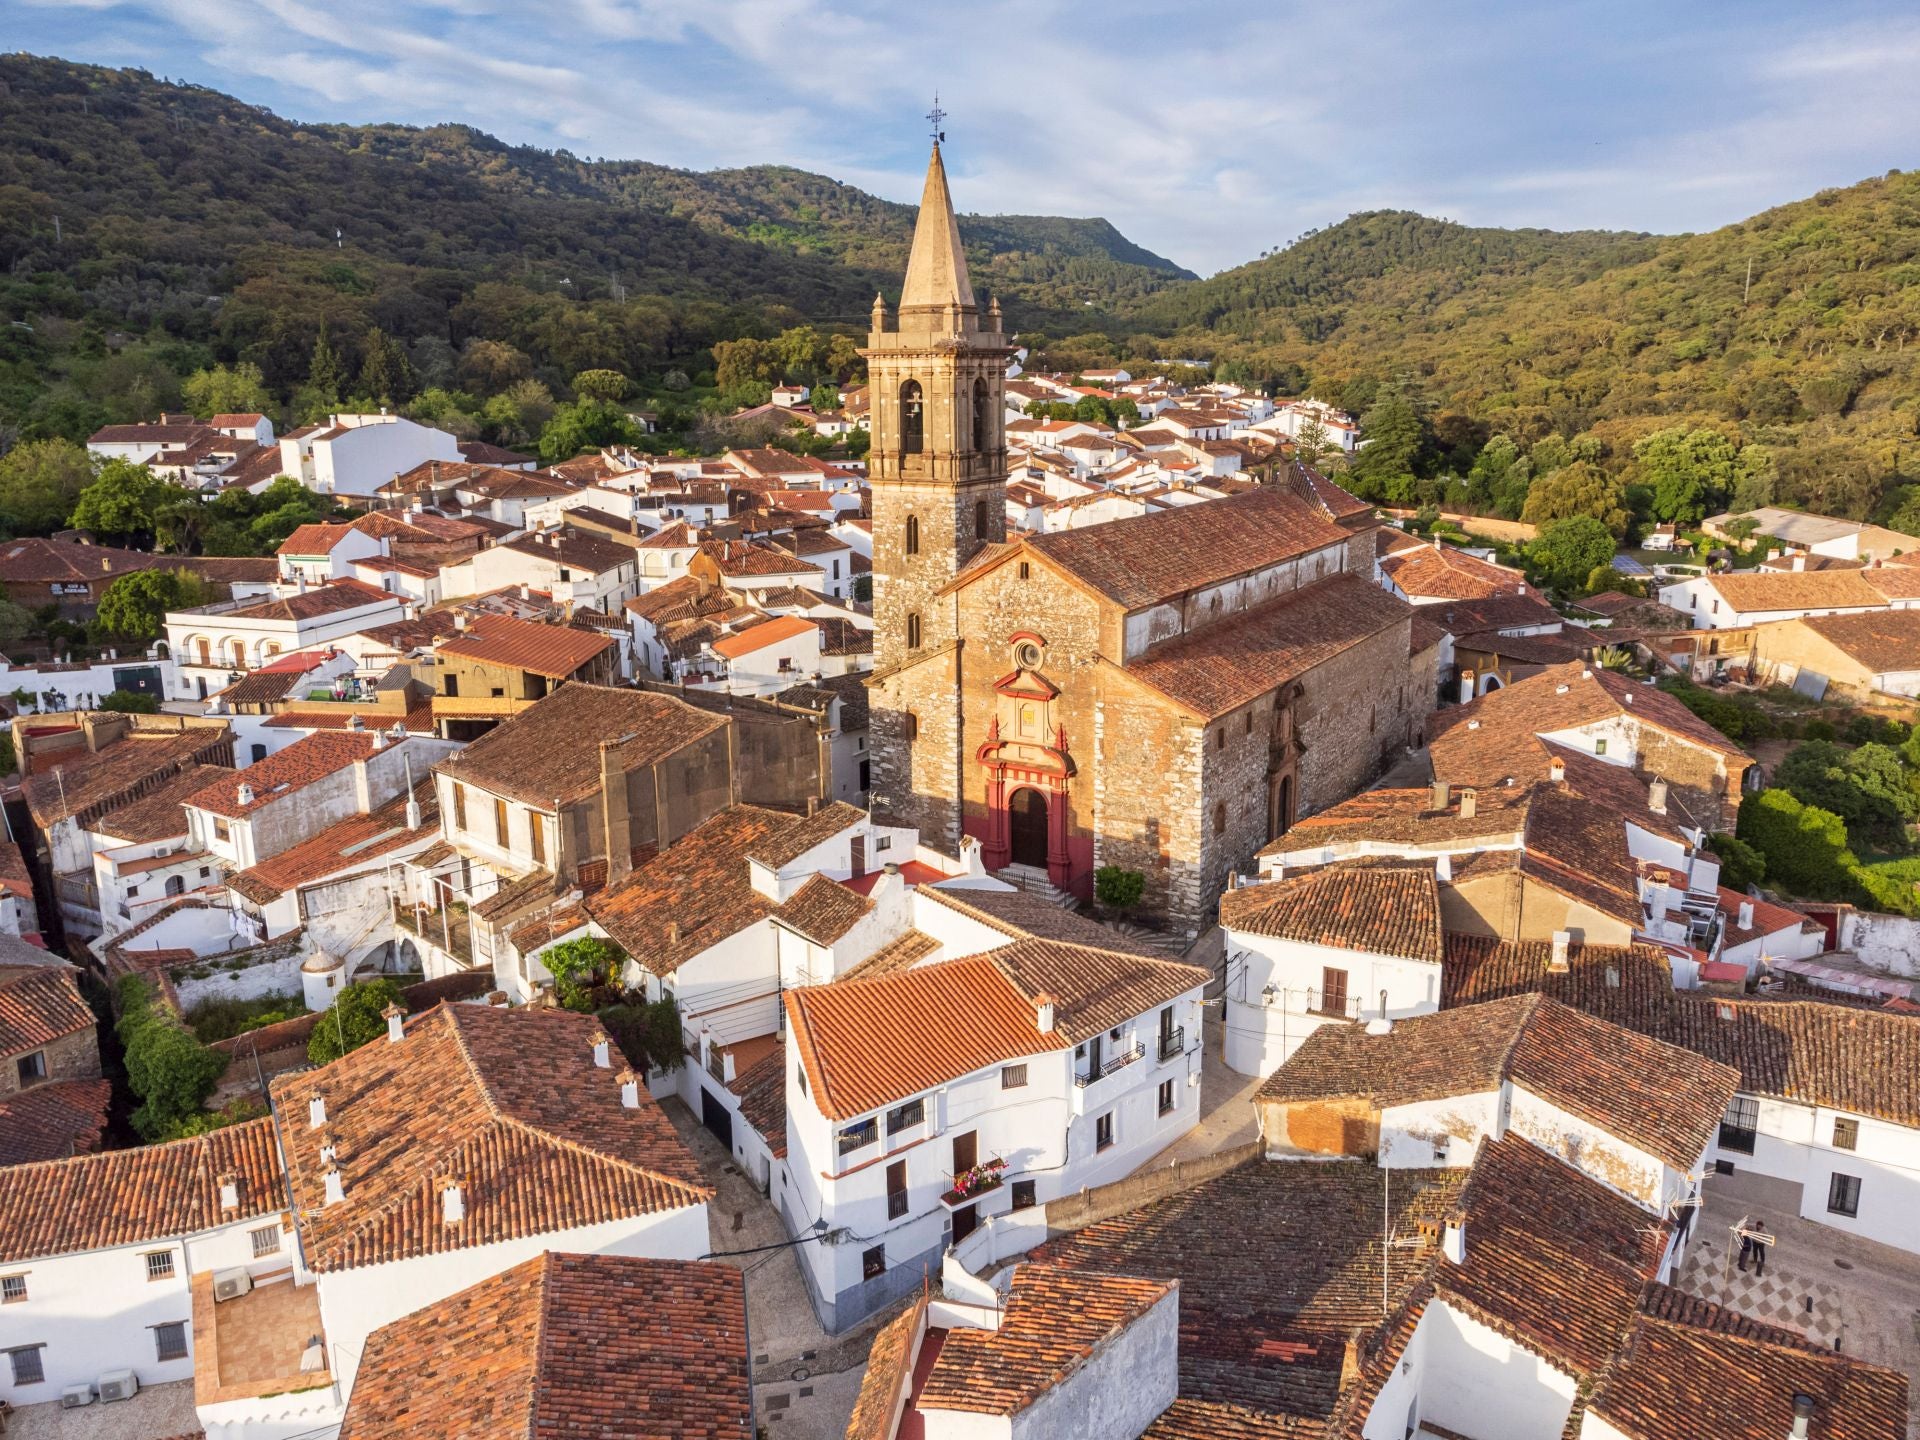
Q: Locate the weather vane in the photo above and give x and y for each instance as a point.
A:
(936, 115)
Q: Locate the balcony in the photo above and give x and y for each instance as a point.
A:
(1173, 1042)
(447, 930)
(1117, 1063)
(969, 1185)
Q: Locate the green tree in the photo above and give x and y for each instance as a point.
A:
(326, 375)
(1312, 443)
(227, 390)
(649, 1036)
(168, 1070)
(120, 505)
(825, 397)
(1398, 449)
(585, 425)
(1568, 551)
(125, 702)
(386, 375)
(582, 967)
(490, 366)
(1117, 887)
(608, 385)
(1581, 488)
(16, 624)
(1691, 472)
(39, 483)
(1866, 787)
(1804, 846)
(135, 606)
(1740, 864)
(352, 1020)
(744, 362)
(1498, 478)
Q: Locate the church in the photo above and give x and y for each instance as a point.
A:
(1163, 694)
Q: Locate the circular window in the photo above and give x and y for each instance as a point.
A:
(1027, 655)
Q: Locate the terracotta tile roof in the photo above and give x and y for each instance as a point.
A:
(762, 1088)
(84, 780)
(418, 721)
(787, 844)
(537, 1132)
(1896, 582)
(1094, 990)
(890, 1363)
(1383, 907)
(900, 953)
(347, 844)
(574, 550)
(1136, 563)
(264, 686)
(1020, 915)
(283, 773)
(1656, 1096)
(868, 1043)
(1883, 641)
(1446, 573)
(758, 637)
(1755, 590)
(157, 815)
(1676, 1381)
(693, 894)
(15, 877)
(329, 599)
(132, 1197)
(750, 557)
(54, 1121)
(1052, 1322)
(552, 748)
(555, 651)
(565, 1347)
(314, 540)
(38, 1005)
(47, 562)
(822, 910)
(1223, 665)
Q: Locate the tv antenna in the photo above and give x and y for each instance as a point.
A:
(934, 117)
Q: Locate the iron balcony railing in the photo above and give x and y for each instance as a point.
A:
(1118, 1062)
(1173, 1042)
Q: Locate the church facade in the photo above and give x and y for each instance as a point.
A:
(1163, 694)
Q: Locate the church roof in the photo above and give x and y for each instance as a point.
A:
(937, 266)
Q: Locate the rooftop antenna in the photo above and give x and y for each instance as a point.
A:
(934, 117)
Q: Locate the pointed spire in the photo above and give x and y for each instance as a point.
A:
(937, 268)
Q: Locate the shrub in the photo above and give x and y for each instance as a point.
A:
(648, 1035)
(223, 1017)
(582, 969)
(1740, 864)
(352, 1020)
(128, 703)
(1805, 847)
(170, 1071)
(1117, 887)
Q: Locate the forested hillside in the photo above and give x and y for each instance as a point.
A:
(1791, 338)
(148, 230)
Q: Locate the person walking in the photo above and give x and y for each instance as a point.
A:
(1762, 1242)
(1746, 1240)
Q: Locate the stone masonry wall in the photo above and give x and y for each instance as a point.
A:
(71, 1057)
(1698, 777)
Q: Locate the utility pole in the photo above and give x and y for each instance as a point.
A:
(1749, 286)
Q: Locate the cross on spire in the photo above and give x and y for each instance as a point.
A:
(934, 117)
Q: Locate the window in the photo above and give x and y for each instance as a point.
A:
(1103, 1131)
(913, 423)
(1739, 1124)
(170, 1341)
(266, 1241)
(259, 753)
(1166, 1097)
(913, 535)
(1026, 570)
(32, 1068)
(1027, 655)
(1247, 726)
(1843, 1195)
(913, 632)
(982, 418)
(1220, 738)
(873, 1262)
(979, 519)
(911, 726)
(1600, 747)
(1220, 818)
(459, 806)
(1846, 1134)
(453, 686)
(1013, 1077)
(896, 1189)
(1023, 1194)
(905, 1117)
(27, 1369)
(159, 1264)
(500, 821)
(1333, 991)
(537, 833)
(221, 831)
(13, 1289)
(859, 1134)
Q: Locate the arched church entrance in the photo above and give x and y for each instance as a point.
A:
(1027, 828)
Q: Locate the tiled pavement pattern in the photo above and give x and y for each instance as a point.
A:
(263, 1334)
(1783, 1296)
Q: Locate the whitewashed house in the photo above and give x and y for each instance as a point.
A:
(214, 644)
(354, 455)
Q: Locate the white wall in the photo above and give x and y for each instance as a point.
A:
(1795, 1143)
(1261, 1037)
(1474, 1380)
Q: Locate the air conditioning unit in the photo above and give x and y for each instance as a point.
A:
(119, 1385)
(75, 1396)
(231, 1284)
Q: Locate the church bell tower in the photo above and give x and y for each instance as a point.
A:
(936, 381)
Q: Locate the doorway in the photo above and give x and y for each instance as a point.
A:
(1027, 828)
(1280, 815)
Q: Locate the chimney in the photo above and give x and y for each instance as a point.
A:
(336, 1189)
(316, 1112)
(1560, 689)
(453, 1202)
(1043, 1017)
(1443, 869)
(602, 1059)
(1557, 771)
(414, 817)
(396, 1024)
(1657, 797)
(1657, 899)
(1380, 1025)
(1562, 944)
(1469, 804)
(328, 1150)
(629, 1090)
(1800, 563)
(1453, 1241)
(1350, 1362)
(1802, 1417)
(1439, 796)
(1746, 914)
(673, 932)
(460, 621)
(229, 1191)
(244, 794)
(106, 565)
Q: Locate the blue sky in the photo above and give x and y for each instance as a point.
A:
(1208, 133)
